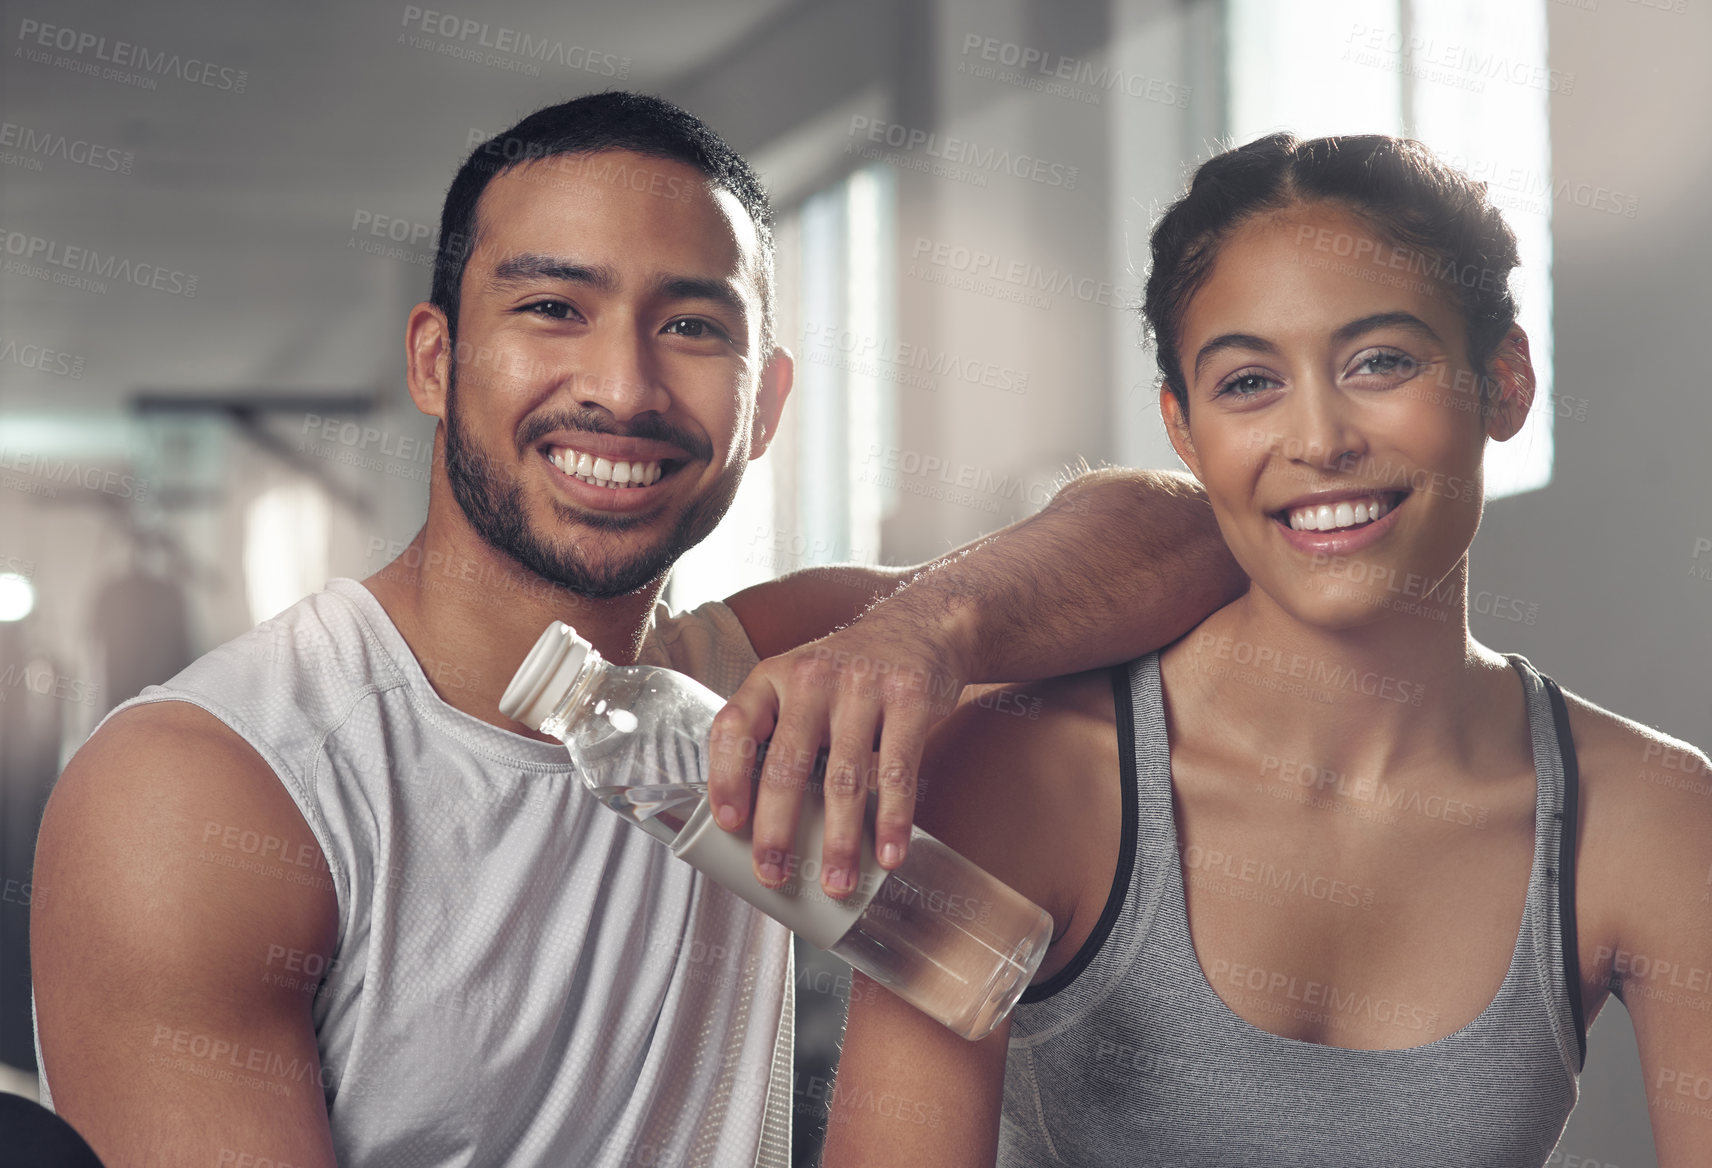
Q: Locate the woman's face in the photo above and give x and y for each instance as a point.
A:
(1334, 418)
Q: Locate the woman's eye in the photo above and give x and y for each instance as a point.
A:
(1244, 385)
(1385, 364)
(552, 309)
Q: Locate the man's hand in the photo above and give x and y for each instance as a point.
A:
(1119, 563)
(877, 686)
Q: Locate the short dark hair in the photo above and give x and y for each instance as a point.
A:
(1396, 185)
(614, 120)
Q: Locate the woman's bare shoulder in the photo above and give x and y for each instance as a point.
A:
(1626, 762)
(1018, 773)
(1645, 850)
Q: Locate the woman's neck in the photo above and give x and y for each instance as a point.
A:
(1409, 686)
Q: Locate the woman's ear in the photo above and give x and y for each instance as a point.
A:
(1511, 373)
(1177, 429)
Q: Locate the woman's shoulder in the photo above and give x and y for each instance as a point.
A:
(1620, 760)
(1019, 772)
(999, 737)
(1645, 847)
(1616, 754)
(1035, 717)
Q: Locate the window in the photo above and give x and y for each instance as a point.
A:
(285, 547)
(813, 497)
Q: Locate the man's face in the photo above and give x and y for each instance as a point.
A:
(603, 397)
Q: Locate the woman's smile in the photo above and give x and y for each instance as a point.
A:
(1339, 522)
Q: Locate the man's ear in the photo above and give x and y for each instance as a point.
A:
(1177, 429)
(1511, 371)
(777, 377)
(428, 358)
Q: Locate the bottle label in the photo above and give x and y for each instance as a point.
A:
(799, 903)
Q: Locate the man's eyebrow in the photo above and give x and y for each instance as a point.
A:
(527, 266)
(1231, 341)
(721, 292)
(1379, 320)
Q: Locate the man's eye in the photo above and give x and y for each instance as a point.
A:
(691, 327)
(553, 309)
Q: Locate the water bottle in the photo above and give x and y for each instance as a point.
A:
(938, 931)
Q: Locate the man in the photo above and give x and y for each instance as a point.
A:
(305, 904)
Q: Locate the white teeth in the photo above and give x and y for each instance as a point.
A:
(1334, 516)
(606, 472)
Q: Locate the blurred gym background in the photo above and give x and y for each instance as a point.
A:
(205, 269)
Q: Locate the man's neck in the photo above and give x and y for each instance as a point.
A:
(471, 613)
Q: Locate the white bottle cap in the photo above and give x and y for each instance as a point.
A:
(540, 683)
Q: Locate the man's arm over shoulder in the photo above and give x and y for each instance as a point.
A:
(802, 606)
(1118, 563)
(168, 965)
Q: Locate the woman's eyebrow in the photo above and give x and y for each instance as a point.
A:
(1379, 320)
(1231, 341)
(1348, 332)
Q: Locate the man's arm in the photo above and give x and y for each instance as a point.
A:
(173, 1025)
(1119, 563)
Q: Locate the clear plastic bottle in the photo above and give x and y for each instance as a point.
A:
(938, 931)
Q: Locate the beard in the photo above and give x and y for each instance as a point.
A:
(594, 561)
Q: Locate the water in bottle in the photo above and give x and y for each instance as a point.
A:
(938, 931)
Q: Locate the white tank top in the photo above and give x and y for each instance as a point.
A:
(521, 977)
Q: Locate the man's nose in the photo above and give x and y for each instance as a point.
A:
(619, 374)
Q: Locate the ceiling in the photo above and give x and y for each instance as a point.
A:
(352, 118)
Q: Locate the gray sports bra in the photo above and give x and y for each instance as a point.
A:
(1128, 1056)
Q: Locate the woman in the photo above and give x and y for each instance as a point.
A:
(1332, 882)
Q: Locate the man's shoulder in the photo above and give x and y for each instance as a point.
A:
(707, 642)
(155, 870)
(280, 686)
(323, 643)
